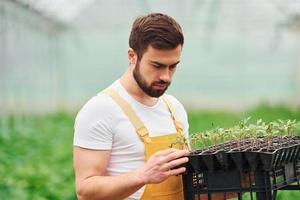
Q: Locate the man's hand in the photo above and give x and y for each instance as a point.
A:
(162, 165)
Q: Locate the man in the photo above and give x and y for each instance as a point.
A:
(127, 140)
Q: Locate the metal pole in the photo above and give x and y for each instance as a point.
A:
(4, 128)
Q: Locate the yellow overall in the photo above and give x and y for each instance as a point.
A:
(170, 189)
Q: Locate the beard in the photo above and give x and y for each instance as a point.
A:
(149, 88)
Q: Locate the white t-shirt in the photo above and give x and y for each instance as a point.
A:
(101, 124)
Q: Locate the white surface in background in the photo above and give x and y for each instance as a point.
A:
(61, 10)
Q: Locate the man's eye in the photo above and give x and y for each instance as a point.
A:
(157, 66)
(173, 66)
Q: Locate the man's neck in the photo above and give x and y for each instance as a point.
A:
(131, 86)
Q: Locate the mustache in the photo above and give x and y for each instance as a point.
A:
(162, 82)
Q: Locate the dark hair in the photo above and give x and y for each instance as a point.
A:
(158, 30)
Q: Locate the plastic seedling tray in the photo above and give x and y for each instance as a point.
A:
(260, 165)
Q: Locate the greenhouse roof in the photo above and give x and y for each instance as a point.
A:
(59, 10)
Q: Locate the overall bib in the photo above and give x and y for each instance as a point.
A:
(170, 189)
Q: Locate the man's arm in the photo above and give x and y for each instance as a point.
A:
(92, 181)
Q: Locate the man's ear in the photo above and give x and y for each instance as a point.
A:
(132, 56)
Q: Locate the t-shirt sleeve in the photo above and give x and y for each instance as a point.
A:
(93, 125)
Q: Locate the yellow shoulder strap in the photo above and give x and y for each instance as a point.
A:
(131, 114)
(176, 122)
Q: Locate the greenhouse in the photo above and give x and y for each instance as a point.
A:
(238, 81)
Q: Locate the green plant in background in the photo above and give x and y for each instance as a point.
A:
(36, 157)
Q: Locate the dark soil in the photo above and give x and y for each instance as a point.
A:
(260, 144)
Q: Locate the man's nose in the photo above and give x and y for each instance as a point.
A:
(165, 75)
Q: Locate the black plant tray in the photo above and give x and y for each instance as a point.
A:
(228, 169)
(247, 154)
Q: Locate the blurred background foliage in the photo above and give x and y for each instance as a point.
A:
(240, 59)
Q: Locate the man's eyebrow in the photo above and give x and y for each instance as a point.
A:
(164, 65)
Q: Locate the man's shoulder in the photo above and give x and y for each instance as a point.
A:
(100, 103)
(173, 100)
(177, 105)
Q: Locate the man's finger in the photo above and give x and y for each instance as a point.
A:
(177, 171)
(165, 152)
(174, 163)
(176, 154)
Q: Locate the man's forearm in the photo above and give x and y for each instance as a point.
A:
(159, 167)
(109, 187)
